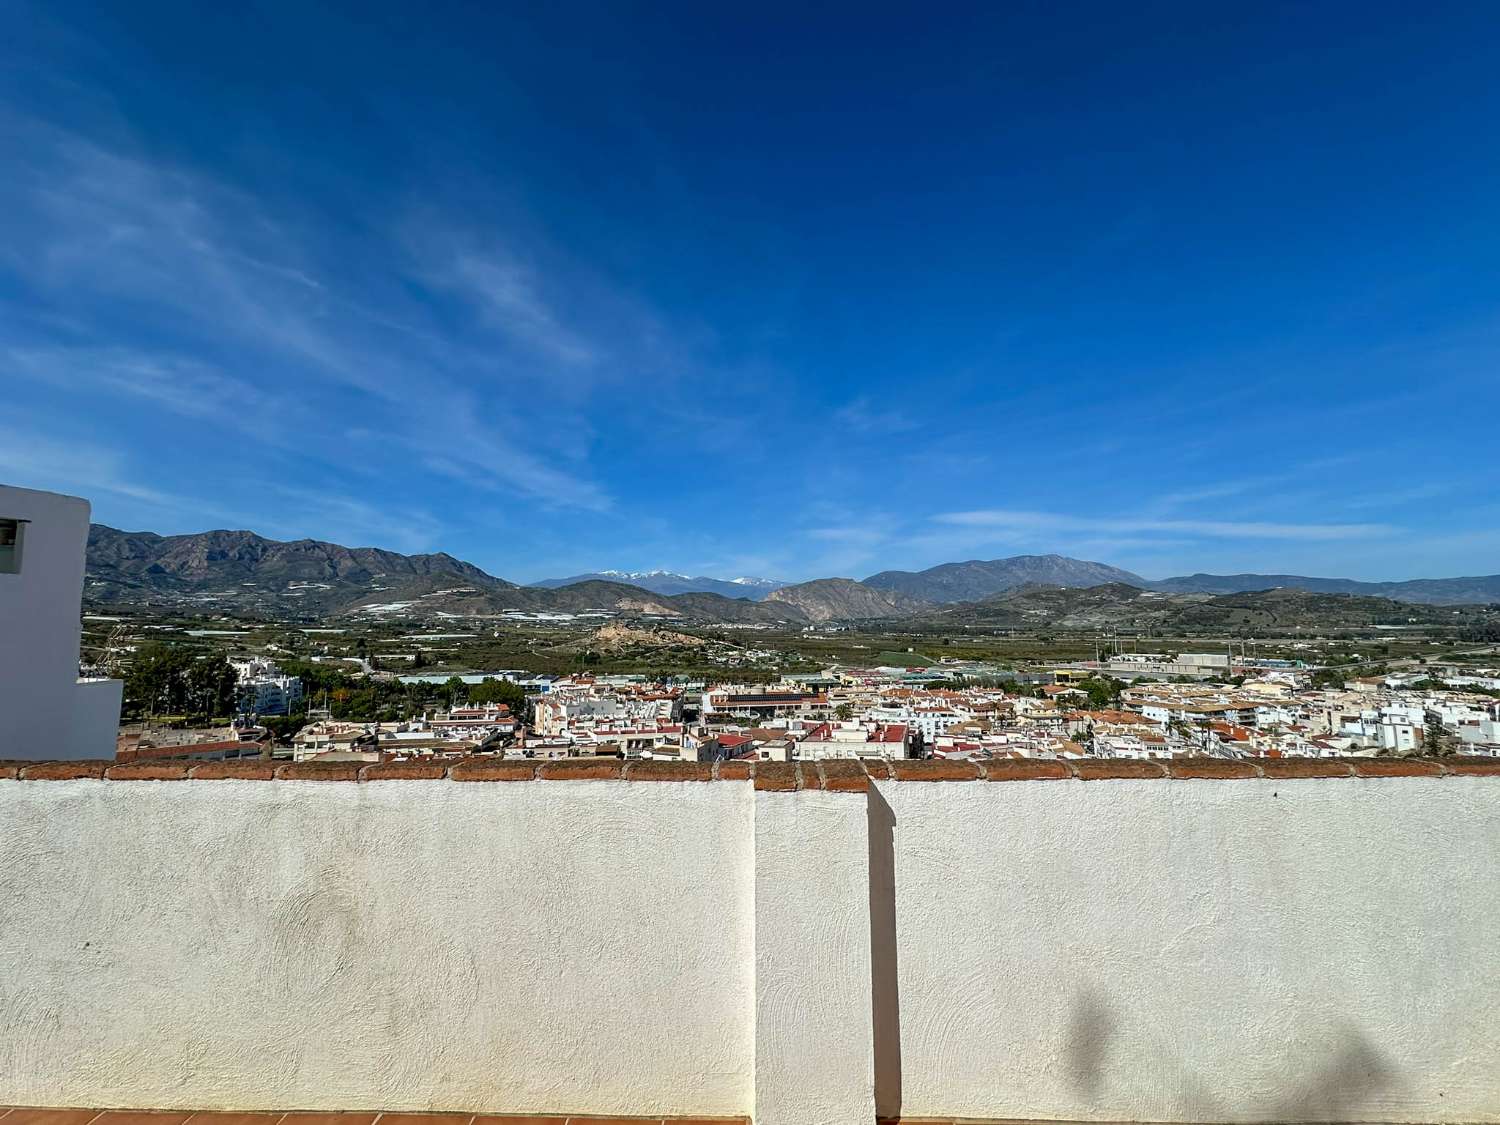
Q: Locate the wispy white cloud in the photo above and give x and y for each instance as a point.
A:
(180, 384)
(508, 295)
(1260, 486)
(1223, 490)
(1009, 520)
(1407, 495)
(867, 534)
(352, 520)
(864, 416)
(80, 467)
(94, 470)
(169, 245)
(188, 258)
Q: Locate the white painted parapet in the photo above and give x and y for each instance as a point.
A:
(814, 1057)
(1253, 950)
(1087, 941)
(574, 945)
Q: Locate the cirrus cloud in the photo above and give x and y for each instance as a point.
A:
(1013, 520)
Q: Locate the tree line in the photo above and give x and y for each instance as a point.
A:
(170, 680)
(175, 680)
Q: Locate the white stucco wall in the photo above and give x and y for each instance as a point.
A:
(813, 1049)
(45, 713)
(1314, 950)
(1199, 951)
(567, 945)
(95, 724)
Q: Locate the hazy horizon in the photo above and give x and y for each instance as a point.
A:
(649, 570)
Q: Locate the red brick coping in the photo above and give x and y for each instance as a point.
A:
(217, 1117)
(836, 775)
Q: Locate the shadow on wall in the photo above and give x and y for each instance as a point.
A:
(1336, 1088)
(1352, 1073)
(1092, 1026)
(885, 989)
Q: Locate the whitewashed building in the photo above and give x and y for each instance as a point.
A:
(264, 689)
(46, 711)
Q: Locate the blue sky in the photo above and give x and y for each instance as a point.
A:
(784, 290)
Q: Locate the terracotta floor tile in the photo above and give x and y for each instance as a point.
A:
(522, 1119)
(426, 1118)
(51, 1116)
(142, 1117)
(329, 1119)
(213, 1117)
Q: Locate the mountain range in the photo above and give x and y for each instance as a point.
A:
(1117, 606)
(843, 599)
(669, 582)
(976, 579)
(968, 581)
(240, 566)
(244, 572)
(1421, 591)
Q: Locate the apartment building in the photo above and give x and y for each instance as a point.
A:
(48, 710)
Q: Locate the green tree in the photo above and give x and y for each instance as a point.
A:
(1327, 678)
(283, 727)
(211, 686)
(317, 677)
(157, 683)
(492, 690)
(1103, 691)
(1436, 741)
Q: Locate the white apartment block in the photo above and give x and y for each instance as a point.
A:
(270, 695)
(854, 740)
(577, 710)
(46, 711)
(1199, 665)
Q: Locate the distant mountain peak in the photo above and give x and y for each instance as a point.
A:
(980, 578)
(1473, 590)
(215, 568)
(671, 582)
(844, 599)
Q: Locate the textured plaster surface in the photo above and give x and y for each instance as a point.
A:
(1311, 950)
(1199, 951)
(813, 1051)
(568, 945)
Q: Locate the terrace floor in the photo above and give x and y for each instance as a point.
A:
(37, 1116)
(26, 1116)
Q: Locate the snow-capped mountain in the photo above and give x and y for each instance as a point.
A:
(667, 582)
(766, 584)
